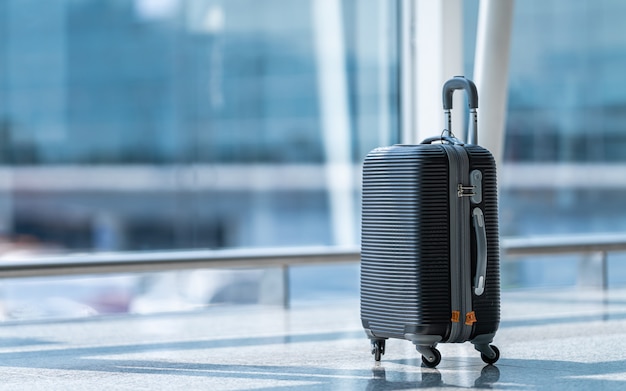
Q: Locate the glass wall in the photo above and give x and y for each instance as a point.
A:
(565, 155)
(159, 124)
(179, 124)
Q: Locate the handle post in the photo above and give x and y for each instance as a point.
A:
(462, 83)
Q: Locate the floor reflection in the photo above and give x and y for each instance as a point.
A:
(426, 378)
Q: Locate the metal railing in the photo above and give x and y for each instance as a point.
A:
(160, 261)
(594, 270)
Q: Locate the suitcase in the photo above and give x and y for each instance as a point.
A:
(429, 241)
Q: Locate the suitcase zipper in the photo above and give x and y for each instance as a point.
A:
(460, 264)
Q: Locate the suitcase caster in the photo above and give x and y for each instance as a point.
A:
(431, 357)
(378, 348)
(490, 354)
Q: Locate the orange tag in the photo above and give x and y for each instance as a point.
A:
(470, 318)
(456, 316)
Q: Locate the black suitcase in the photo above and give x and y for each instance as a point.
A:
(429, 241)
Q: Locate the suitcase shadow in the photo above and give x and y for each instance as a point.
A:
(430, 377)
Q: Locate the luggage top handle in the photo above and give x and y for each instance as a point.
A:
(462, 83)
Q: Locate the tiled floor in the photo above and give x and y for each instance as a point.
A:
(549, 340)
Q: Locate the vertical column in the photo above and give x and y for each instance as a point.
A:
(491, 72)
(384, 61)
(432, 53)
(335, 117)
(408, 72)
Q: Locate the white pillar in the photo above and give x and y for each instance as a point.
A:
(491, 72)
(432, 53)
(335, 117)
(384, 60)
(408, 72)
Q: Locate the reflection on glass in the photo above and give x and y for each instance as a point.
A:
(564, 154)
(178, 124)
(159, 124)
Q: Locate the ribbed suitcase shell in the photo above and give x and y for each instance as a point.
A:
(405, 242)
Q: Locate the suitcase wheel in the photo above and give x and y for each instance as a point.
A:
(432, 358)
(378, 348)
(491, 360)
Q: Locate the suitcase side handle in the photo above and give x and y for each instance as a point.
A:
(462, 83)
(481, 251)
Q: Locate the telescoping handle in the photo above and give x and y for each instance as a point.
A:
(462, 83)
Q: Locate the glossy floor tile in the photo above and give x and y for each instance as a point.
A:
(549, 340)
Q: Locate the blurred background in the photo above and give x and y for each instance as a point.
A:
(131, 125)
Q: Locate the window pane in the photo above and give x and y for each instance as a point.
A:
(566, 118)
(565, 128)
(563, 169)
(158, 124)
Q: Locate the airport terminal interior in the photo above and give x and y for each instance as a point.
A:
(181, 189)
